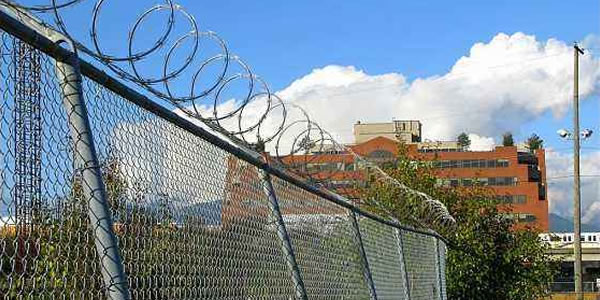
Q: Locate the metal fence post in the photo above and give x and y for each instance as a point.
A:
(286, 244)
(363, 256)
(86, 162)
(401, 253)
(439, 268)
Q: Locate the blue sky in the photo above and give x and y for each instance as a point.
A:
(286, 40)
(444, 62)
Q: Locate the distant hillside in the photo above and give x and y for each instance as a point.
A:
(560, 224)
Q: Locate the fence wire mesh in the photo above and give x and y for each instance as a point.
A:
(191, 220)
(420, 258)
(385, 259)
(442, 267)
(324, 243)
(46, 247)
(199, 214)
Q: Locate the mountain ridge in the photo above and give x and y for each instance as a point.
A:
(560, 224)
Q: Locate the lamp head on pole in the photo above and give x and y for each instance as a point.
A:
(563, 133)
(586, 133)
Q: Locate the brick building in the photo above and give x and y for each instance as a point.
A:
(516, 177)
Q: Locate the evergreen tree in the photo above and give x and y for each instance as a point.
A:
(463, 140)
(534, 142)
(507, 139)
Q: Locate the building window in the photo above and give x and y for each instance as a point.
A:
(502, 181)
(481, 181)
(471, 163)
(484, 181)
(512, 199)
(324, 167)
(527, 218)
(381, 154)
(522, 217)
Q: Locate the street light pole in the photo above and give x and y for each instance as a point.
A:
(576, 179)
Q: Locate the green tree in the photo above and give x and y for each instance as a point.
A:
(534, 142)
(463, 140)
(489, 255)
(507, 139)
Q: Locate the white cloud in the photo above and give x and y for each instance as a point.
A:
(497, 87)
(481, 143)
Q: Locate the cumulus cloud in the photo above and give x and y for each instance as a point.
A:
(481, 143)
(497, 87)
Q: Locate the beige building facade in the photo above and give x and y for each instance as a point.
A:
(407, 131)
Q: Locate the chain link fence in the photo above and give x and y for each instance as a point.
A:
(105, 194)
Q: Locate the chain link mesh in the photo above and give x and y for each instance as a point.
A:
(385, 259)
(420, 257)
(46, 247)
(192, 220)
(442, 268)
(324, 244)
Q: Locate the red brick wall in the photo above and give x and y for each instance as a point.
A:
(534, 205)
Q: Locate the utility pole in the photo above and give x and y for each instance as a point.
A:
(576, 178)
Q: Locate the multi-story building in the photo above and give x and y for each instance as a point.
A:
(517, 177)
(407, 131)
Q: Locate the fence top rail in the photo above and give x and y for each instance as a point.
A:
(18, 29)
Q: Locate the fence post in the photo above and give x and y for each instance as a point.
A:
(439, 268)
(363, 256)
(86, 162)
(284, 238)
(401, 253)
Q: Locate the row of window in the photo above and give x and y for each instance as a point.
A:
(344, 184)
(481, 181)
(521, 217)
(330, 166)
(471, 163)
(512, 199)
(431, 150)
(441, 164)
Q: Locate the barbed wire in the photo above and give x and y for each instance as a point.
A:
(254, 116)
